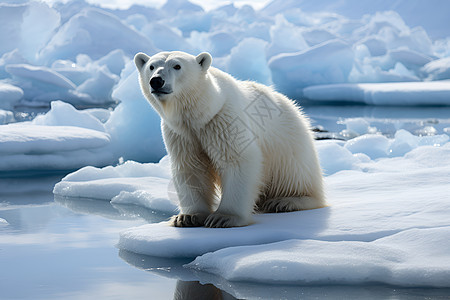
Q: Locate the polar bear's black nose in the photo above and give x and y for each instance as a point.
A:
(156, 83)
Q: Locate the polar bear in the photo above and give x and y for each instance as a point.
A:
(234, 146)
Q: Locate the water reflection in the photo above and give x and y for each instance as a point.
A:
(188, 284)
(187, 290)
(28, 191)
(110, 211)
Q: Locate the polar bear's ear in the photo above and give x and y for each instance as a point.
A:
(204, 60)
(140, 60)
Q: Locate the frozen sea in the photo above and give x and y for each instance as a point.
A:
(85, 183)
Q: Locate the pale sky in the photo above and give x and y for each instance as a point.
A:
(206, 4)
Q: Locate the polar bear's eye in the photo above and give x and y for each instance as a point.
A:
(151, 68)
(177, 67)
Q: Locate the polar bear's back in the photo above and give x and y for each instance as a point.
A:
(281, 128)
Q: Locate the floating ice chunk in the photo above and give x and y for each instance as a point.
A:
(403, 142)
(335, 158)
(426, 131)
(34, 147)
(408, 258)
(9, 95)
(396, 93)
(438, 69)
(97, 33)
(6, 116)
(27, 138)
(252, 51)
(129, 169)
(129, 183)
(125, 190)
(330, 62)
(42, 85)
(358, 125)
(434, 140)
(64, 114)
(375, 146)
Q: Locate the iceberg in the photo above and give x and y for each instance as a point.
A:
(145, 185)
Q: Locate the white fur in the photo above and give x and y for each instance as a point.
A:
(235, 141)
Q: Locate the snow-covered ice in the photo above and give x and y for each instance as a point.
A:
(408, 258)
(387, 222)
(38, 147)
(145, 185)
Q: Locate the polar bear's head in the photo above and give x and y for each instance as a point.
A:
(167, 75)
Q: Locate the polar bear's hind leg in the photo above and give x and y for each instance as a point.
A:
(288, 204)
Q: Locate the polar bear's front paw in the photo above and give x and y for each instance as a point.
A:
(187, 220)
(218, 220)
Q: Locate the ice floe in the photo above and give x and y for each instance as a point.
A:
(399, 93)
(385, 223)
